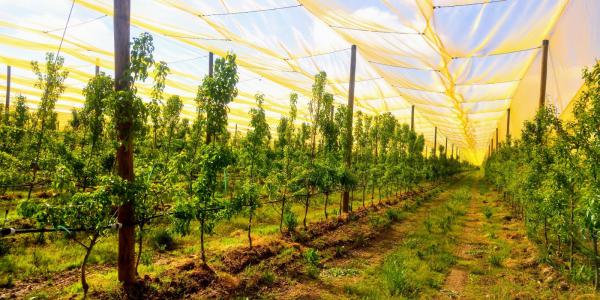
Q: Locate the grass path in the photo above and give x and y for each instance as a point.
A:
(483, 253)
(344, 277)
(495, 260)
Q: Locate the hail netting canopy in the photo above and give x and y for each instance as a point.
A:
(462, 63)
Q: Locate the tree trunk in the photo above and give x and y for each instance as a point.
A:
(140, 240)
(345, 202)
(373, 195)
(250, 230)
(571, 235)
(306, 208)
(326, 200)
(84, 285)
(202, 254)
(546, 232)
(282, 213)
(341, 203)
(351, 199)
(595, 242)
(363, 194)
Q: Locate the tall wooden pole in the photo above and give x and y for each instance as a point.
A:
(412, 118)
(126, 213)
(210, 74)
(434, 141)
(492, 144)
(7, 104)
(544, 73)
(446, 148)
(348, 152)
(497, 144)
(507, 125)
(210, 63)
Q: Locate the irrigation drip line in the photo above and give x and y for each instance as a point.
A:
(11, 231)
(41, 183)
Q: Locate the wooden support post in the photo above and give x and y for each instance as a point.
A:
(126, 213)
(412, 118)
(7, 104)
(446, 148)
(507, 125)
(97, 66)
(497, 144)
(434, 141)
(348, 150)
(544, 73)
(210, 63)
(210, 74)
(492, 144)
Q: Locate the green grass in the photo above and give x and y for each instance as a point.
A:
(418, 266)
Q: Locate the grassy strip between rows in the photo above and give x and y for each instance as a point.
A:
(419, 265)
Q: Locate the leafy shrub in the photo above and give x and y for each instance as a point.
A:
(162, 240)
(312, 257)
(290, 221)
